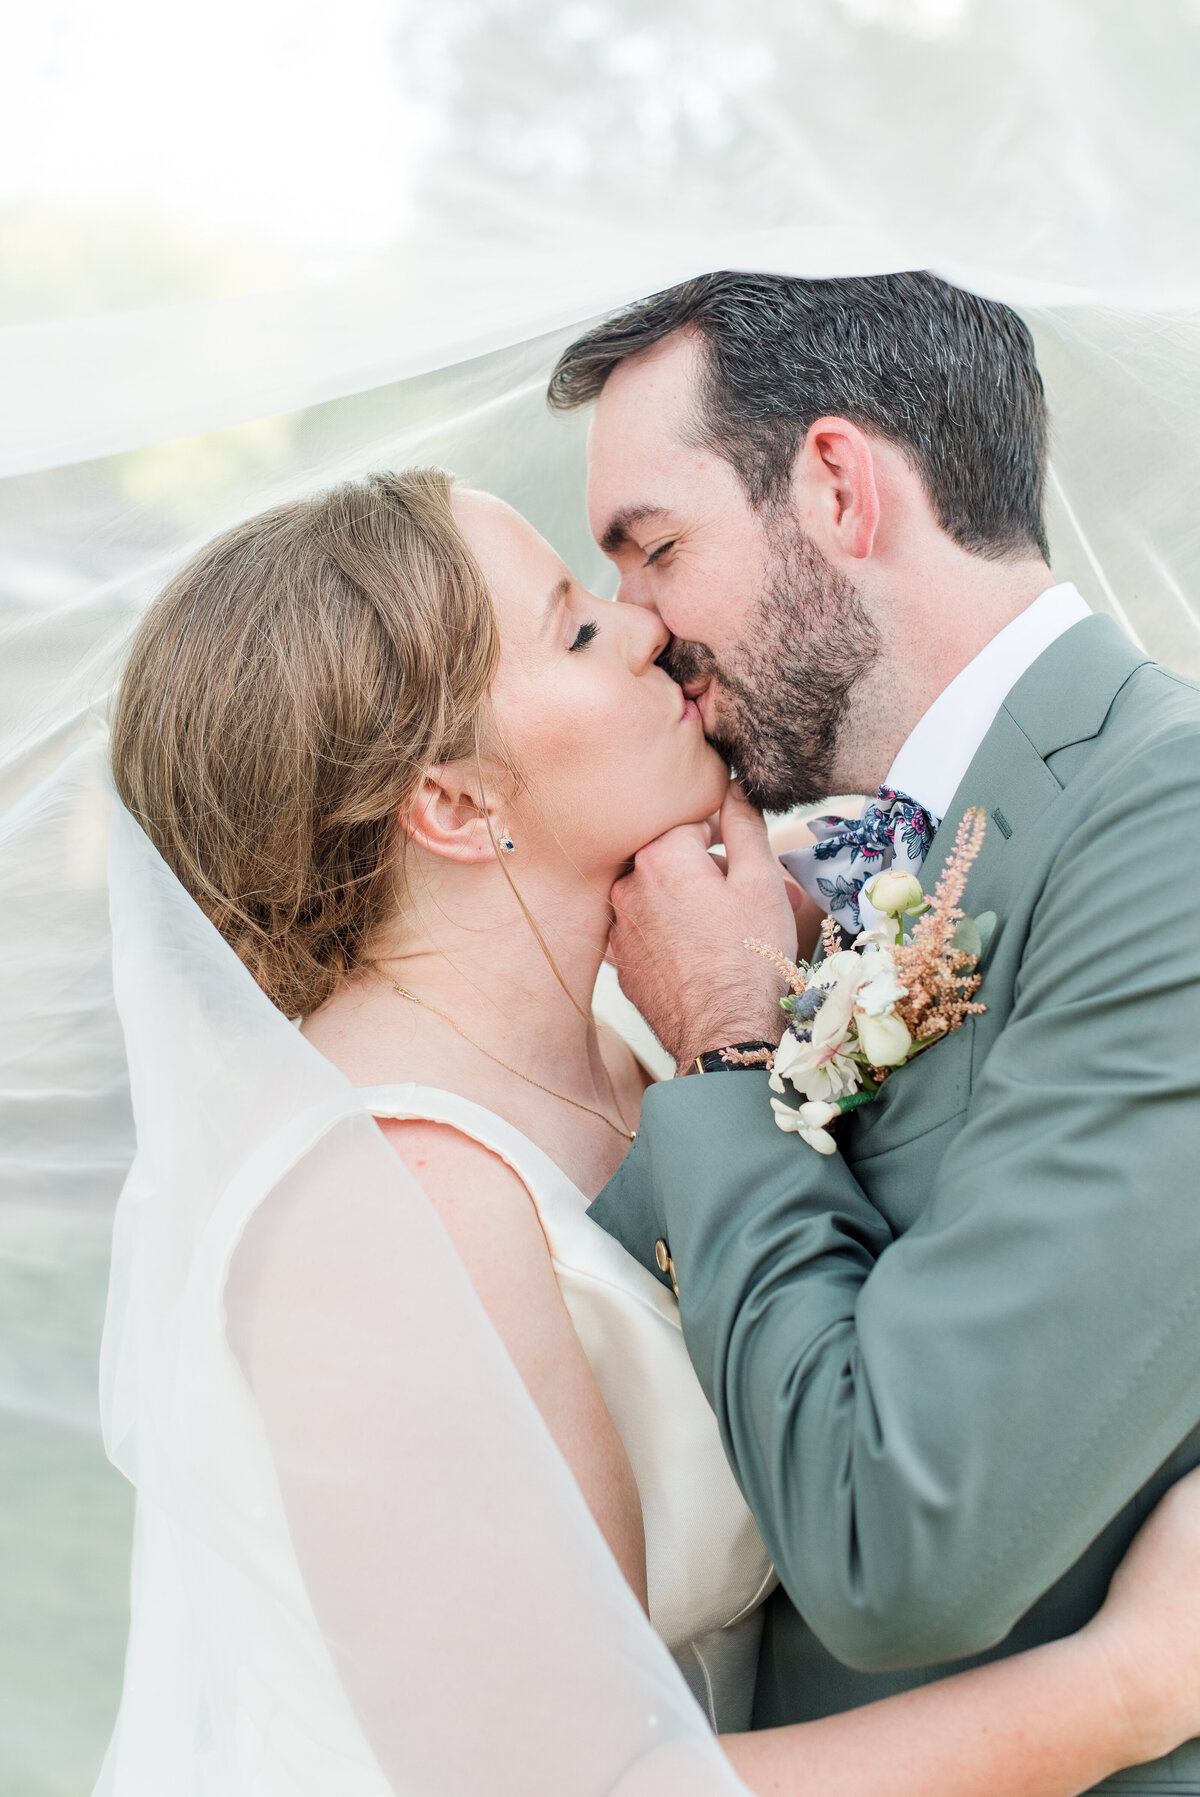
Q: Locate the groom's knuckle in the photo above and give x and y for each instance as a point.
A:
(650, 863)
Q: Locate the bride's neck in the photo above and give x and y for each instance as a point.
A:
(467, 945)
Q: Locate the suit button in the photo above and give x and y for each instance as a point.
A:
(662, 1255)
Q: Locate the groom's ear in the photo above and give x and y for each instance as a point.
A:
(837, 469)
(451, 817)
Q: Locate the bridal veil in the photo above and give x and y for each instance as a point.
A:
(581, 153)
(434, 1611)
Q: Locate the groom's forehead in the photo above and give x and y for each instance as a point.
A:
(641, 426)
(652, 391)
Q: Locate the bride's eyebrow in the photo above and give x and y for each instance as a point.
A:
(558, 592)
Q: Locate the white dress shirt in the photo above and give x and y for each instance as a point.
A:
(940, 748)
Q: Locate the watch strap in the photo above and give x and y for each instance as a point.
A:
(734, 1057)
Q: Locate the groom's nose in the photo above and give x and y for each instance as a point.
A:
(632, 591)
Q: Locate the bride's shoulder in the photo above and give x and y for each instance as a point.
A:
(494, 1226)
(487, 1212)
(475, 1193)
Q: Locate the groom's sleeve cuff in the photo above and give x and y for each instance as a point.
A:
(626, 1209)
(688, 1127)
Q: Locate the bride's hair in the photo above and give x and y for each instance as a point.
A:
(283, 698)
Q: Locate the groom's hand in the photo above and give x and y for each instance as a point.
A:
(682, 922)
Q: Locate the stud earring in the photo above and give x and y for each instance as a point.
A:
(508, 845)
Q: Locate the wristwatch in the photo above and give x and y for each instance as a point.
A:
(753, 1055)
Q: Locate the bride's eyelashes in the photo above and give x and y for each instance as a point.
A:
(586, 633)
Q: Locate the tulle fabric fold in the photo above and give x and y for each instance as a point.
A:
(372, 1572)
(1043, 151)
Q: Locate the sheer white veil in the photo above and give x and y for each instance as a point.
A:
(525, 1665)
(1042, 151)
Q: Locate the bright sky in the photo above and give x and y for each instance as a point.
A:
(286, 117)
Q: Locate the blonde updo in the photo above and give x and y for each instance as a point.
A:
(283, 699)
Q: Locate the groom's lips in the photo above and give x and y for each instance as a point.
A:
(695, 697)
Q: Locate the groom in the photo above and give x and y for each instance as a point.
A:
(955, 1363)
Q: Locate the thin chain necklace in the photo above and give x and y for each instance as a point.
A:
(630, 1135)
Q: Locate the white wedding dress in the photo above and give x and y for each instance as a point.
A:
(433, 1612)
(707, 1569)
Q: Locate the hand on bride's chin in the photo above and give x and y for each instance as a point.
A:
(709, 825)
(682, 922)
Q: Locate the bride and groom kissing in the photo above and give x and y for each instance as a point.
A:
(852, 1424)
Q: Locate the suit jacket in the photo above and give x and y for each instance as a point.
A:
(956, 1364)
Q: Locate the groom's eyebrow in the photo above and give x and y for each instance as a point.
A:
(620, 524)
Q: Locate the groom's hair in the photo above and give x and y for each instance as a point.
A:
(949, 377)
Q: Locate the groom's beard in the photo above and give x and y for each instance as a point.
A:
(783, 694)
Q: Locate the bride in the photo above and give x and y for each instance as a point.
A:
(398, 757)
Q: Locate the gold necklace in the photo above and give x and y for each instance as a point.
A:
(630, 1135)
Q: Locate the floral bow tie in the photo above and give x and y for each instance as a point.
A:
(893, 832)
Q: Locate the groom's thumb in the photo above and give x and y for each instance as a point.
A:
(744, 833)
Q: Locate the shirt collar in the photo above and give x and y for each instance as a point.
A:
(939, 749)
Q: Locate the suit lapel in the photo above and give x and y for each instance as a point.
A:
(1062, 699)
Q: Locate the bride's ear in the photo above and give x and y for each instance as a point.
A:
(450, 817)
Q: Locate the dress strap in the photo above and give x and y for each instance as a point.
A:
(431, 1104)
(574, 1240)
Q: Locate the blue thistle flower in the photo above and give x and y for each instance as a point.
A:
(809, 1003)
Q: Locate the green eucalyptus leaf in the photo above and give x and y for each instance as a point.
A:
(967, 938)
(985, 923)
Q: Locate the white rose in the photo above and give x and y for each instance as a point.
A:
(893, 893)
(884, 1040)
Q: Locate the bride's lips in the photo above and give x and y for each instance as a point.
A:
(691, 702)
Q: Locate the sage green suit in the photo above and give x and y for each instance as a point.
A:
(955, 1365)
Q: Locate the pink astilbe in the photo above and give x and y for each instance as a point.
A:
(796, 977)
(831, 936)
(755, 1057)
(938, 990)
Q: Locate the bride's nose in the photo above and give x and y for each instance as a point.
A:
(647, 636)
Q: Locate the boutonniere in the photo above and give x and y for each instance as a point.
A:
(860, 1013)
